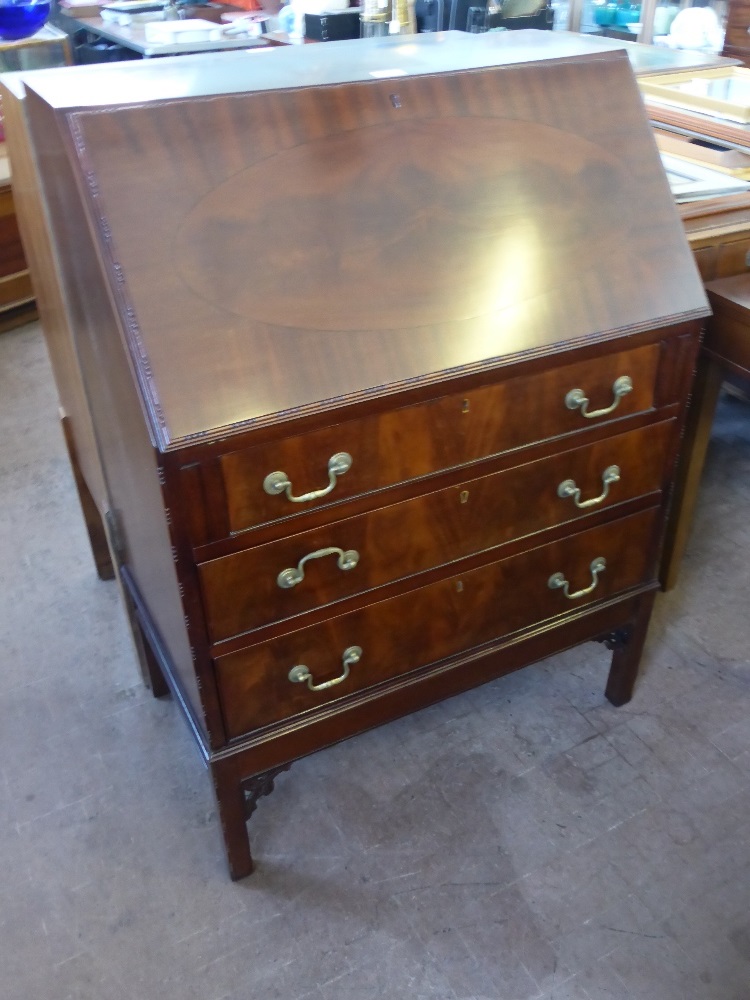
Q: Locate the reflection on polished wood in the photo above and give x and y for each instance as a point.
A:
(422, 304)
(241, 592)
(288, 319)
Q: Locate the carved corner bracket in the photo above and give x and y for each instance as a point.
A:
(618, 638)
(259, 785)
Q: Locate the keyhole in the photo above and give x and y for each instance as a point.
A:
(465, 406)
(463, 496)
(395, 100)
(459, 586)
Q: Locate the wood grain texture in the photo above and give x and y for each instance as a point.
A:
(217, 296)
(411, 442)
(717, 233)
(728, 332)
(736, 42)
(429, 624)
(371, 302)
(129, 462)
(241, 592)
(409, 693)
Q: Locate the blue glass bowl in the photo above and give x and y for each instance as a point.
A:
(22, 18)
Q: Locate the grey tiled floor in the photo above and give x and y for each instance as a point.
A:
(522, 841)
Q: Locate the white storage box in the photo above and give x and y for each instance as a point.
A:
(193, 29)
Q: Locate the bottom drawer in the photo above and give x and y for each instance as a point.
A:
(257, 685)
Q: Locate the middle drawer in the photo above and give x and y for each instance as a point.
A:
(272, 582)
(310, 667)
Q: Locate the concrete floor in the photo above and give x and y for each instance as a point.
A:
(522, 841)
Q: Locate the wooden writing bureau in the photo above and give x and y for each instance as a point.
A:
(387, 372)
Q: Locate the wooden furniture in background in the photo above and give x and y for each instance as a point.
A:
(48, 47)
(370, 435)
(55, 315)
(719, 234)
(17, 304)
(718, 230)
(725, 354)
(736, 39)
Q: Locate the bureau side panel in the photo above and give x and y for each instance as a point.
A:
(129, 458)
(45, 270)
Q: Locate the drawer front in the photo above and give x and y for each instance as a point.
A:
(285, 578)
(431, 623)
(732, 258)
(418, 440)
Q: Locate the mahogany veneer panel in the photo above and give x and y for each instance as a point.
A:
(311, 256)
(406, 443)
(460, 266)
(429, 624)
(241, 591)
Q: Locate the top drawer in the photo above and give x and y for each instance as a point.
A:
(293, 475)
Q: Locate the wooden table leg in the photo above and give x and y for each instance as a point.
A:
(230, 802)
(236, 799)
(627, 647)
(697, 435)
(91, 516)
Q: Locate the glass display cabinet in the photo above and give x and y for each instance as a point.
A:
(48, 47)
(697, 25)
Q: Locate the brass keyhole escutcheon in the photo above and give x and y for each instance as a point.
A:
(459, 586)
(463, 496)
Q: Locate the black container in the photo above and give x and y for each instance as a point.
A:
(101, 52)
(333, 27)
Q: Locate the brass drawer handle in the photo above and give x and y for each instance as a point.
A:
(301, 673)
(577, 398)
(279, 482)
(568, 488)
(288, 578)
(557, 581)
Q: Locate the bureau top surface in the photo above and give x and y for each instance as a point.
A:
(344, 62)
(273, 249)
